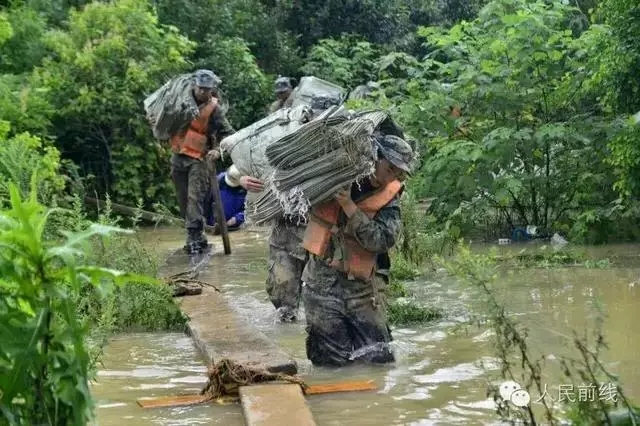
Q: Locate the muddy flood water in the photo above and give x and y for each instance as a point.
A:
(441, 371)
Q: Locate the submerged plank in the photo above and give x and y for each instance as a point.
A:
(177, 401)
(275, 405)
(355, 386)
(219, 332)
(173, 401)
(217, 329)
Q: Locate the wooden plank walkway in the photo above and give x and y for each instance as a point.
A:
(217, 329)
(275, 405)
(219, 333)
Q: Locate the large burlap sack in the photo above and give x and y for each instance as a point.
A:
(172, 107)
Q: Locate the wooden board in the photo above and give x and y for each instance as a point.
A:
(365, 385)
(177, 401)
(275, 405)
(172, 401)
(219, 332)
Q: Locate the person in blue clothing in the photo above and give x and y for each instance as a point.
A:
(233, 197)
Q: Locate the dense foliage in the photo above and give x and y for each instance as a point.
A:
(25, 162)
(520, 108)
(44, 361)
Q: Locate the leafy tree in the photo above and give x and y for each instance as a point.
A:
(620, 58)
(508, 140)
(6, 31)
(25, 48)
(348, 61)
(24, 163)
(55, 12)
(378, 21)
(112, 56)
(625, 158)
(273, 46)
(248, 89)
(24, 105)
(611, 75)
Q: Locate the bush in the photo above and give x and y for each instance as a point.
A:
(25, 48)
(248, 91)
(45, 363)
(408, 311)
(402, 269)
(133, 306)
(25, 162)
(347, 61)
(422, 237)
(112, 55)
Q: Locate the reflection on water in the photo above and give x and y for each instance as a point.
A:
(442, 370)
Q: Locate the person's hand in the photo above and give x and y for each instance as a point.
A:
(251, 184)
(213, 155)
(231, 222)
(343, 197)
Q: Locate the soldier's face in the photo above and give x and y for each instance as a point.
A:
(386, 173)
(283, 95)
(202, 94)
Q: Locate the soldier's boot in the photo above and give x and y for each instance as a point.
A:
(196, 242)
(286, 314)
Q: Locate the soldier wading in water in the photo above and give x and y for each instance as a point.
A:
(348, 239)
(199, 139)
(287, 257)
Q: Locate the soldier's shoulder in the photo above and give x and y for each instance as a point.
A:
(274, 106)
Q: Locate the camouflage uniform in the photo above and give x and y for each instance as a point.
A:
(278, 104)
(287, 258)
(282, 85)
(286, 255)
(191, 179)
(346, 318)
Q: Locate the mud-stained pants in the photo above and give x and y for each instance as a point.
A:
(191, 179)
(286, 262)
(347, 321)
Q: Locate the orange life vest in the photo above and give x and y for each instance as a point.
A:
(356, 261)
(193, 140)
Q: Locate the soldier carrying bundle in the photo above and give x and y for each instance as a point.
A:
(187, 111)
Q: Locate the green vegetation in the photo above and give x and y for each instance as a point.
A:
(45, 364)
(24, 158)
(403, 308)
(547, 257)
(403, 311)
(61, 290)
(136, 305)
(520, 109)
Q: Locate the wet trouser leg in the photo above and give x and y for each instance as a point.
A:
(348, 328)
(367, 317)
(181, 181)
(196, 194)
(287, 259)
(191, 182)
(284, 279)
(328, 339)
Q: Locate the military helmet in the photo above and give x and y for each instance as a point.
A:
(282, 84)
(397, 151)
(206, 78)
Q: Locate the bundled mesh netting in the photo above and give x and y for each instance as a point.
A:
(170, 108)
(311, 164)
